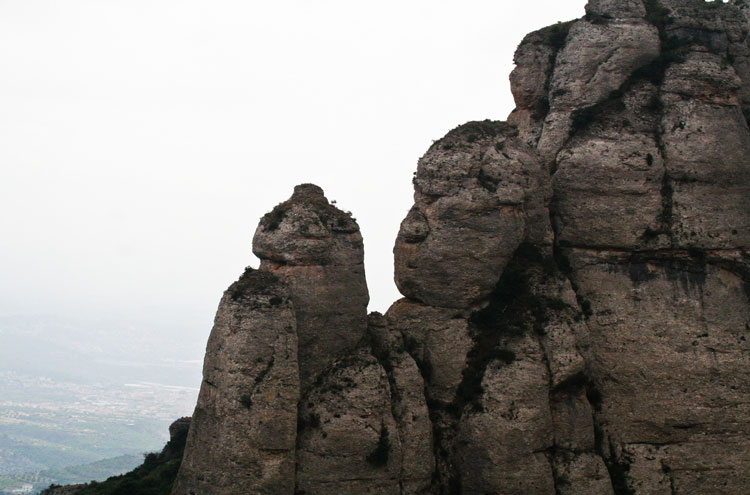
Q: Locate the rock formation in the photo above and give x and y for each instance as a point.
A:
(577, 293)
(246, 416)
(317, 250)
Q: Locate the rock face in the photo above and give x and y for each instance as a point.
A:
(317, 250)
(246, 416)
(178, 432)
(295, 398)
(576, 285)
(347, 413)
(471, 192)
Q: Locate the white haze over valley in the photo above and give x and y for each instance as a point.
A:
(142, 140)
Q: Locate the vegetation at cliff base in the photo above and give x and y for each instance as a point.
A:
(154, 477)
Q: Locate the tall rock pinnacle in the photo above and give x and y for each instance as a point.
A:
(317, 250)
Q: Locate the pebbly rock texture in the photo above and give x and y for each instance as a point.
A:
(598, 55)
(246, 416)
(301, 394)
(348, 414)
(669, 360)
(471, 192)
(650, 214)
(501, 443)
(576, 285)
(317, 250)
(408, 405)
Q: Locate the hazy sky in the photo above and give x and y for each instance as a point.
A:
(141, 140)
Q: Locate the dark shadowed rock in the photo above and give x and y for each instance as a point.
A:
(501, 444)
(178, 432)
(408, 405)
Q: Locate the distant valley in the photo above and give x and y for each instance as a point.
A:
(32, 482)
(79, 394)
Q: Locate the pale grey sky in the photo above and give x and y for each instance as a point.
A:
(141, 140)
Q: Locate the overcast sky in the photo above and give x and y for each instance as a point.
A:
(141, 140)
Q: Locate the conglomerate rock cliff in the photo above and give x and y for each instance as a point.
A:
(576, 287)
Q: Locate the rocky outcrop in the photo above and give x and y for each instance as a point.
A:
(650, 214)
(576, 291)
(408, 405)
(294, 397)
(317, 250)
(471, 192)
(346, 416)
(246, 416)
(178, 432)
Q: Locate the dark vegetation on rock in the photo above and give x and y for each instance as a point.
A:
(154, 477)
(379, 456)
(255, 282)
(513, 310)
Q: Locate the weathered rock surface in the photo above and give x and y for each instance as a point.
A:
(408, 405)
(438, 339)
(501, 443)
(669, 354)
(705, 140)
(599, 55)
(650, 209)
(343, 419)
(317, 250)
(293, 399)
(470, 192)
(577, 292)
(609, 177)
(246, 417)
(637, 111)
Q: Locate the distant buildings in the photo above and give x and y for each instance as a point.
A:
(25, 488)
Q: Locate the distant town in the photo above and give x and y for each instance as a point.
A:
(47, 426)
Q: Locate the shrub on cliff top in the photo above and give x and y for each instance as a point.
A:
(254, 281)
(556, 34)
(273, 218)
